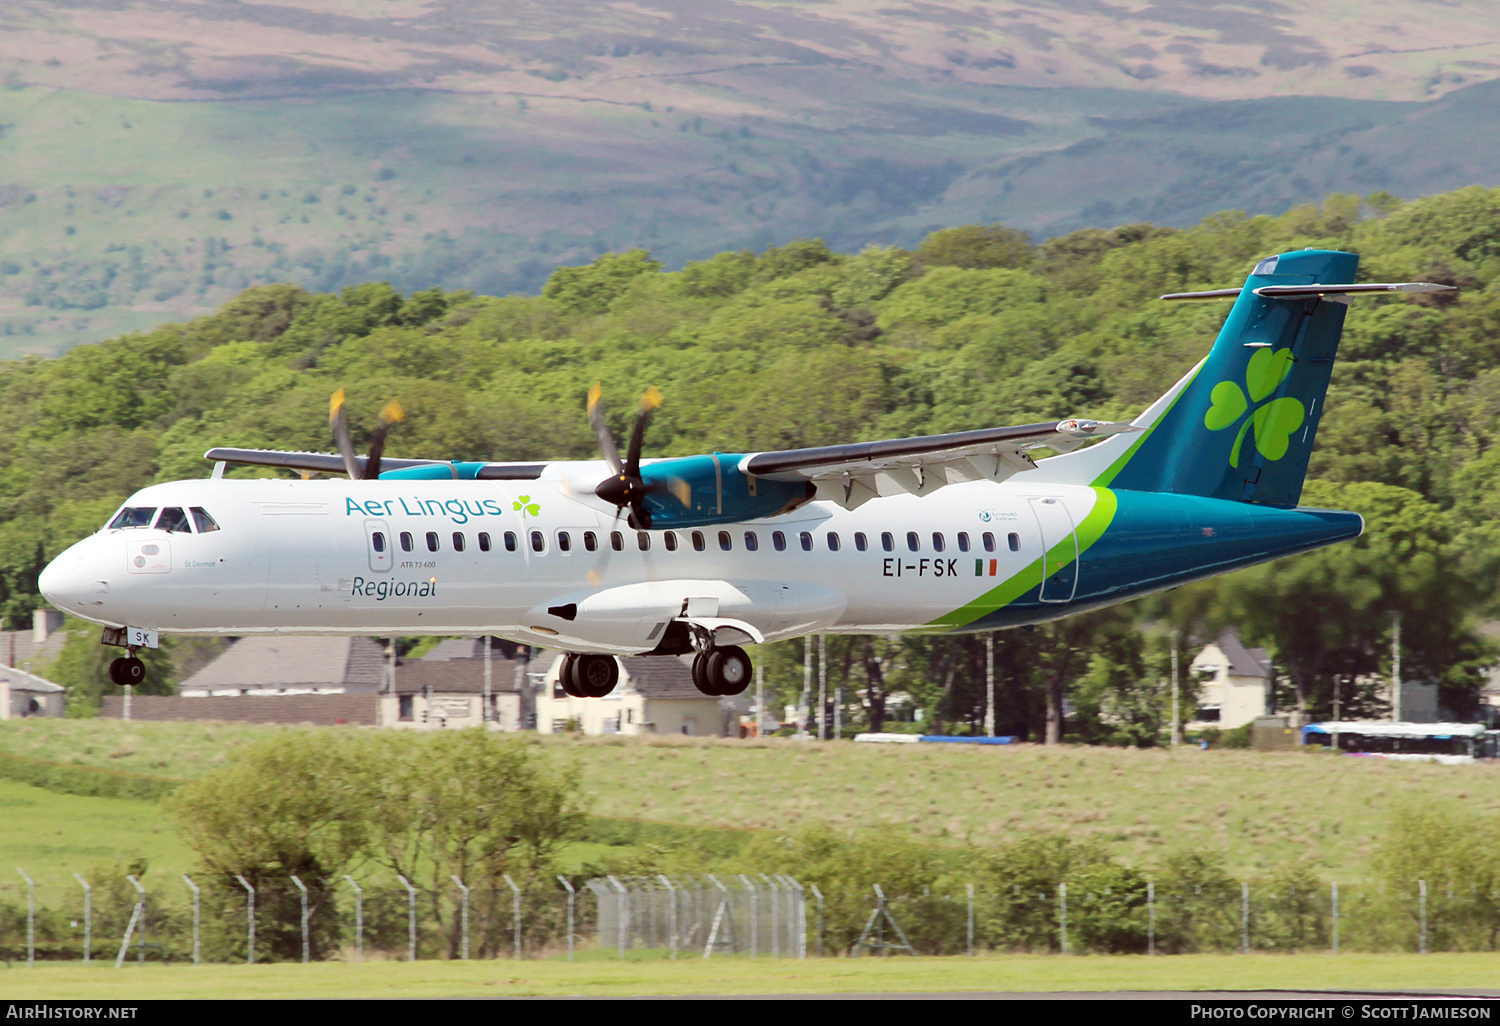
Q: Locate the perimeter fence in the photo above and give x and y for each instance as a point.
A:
(115, 921)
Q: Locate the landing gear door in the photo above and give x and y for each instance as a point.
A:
(378, 544)
(1059, 549)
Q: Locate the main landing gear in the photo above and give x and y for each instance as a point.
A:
(589, 676)
(721, 672)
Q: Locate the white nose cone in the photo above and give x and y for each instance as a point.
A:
(66, 582)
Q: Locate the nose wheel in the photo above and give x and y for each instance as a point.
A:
(127, 671)
(721, 672)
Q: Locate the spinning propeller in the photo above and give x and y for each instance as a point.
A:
(626, 488)
(339, 421)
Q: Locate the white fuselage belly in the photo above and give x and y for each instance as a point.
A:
(298, 557)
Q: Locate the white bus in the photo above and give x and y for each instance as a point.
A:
(1416, 742)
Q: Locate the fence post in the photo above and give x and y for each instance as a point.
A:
(88, 917)
(565, 883)
(359, 918)
(672, 891)
(771, 886)
(250, 939)
(197, 914)
(30, 917)
(1335, 917)
(139, 915)
(754, 915)
(796, 925)
(622, 910)
(515, 913)
(1244, 918)
(1062, 914)
(1150, 917)
(1422, 916)
(819, 895)
(303, 889)
(411, 918)
(464, 904)
(970, 888)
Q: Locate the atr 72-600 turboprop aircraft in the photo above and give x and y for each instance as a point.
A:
(956, 532)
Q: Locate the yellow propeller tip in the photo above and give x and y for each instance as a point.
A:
(392, 412)
(335, 403)
(594, 394)
(651, 400)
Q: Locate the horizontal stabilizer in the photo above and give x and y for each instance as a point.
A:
(1308, 291)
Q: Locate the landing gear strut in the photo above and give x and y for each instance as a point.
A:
(721, 671)
(589, 676)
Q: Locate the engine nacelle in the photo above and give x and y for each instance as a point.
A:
(716, 492)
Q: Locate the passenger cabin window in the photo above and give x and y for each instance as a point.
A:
(643, 540)
(1015, 542)
(806, 540)
(963, 541)
(591, 541)
(725, 542)
(564, 542)
(617, 541)
(407, 544)
(538, 541)
(698, 543)
(989, 541)
(432, 541)
(458, 541)
(669, 538)
(913, 542)
(173, 519)
(510, 541)
(860, 541)
(887, 541)
(833, 541)
(203, 521)
(751, 542)
(377, 541)
(778, 541)
(134, 516)
(484, 541)
(938, 544)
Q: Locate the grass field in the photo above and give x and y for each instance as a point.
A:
(607, 978)
(1259, 809)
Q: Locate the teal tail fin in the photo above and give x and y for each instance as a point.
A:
(1241, 425)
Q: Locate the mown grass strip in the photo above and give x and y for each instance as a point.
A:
(88, 781)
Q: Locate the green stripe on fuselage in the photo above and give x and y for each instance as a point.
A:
(1105, 479)
(1013, 587)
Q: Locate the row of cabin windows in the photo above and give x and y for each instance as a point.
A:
(699, 541)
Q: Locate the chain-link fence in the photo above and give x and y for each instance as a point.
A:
(746, 915)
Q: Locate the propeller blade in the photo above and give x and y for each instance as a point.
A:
(649, 402)
(601, 430)
(338, 420)
(392, 414)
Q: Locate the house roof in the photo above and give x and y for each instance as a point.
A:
(470, 648)
(20, 680)
(460, 676)
(1243, 662)
(356, 664)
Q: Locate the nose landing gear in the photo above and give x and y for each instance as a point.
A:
(127, 671)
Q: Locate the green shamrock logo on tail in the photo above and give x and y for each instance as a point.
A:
(1273, 422)
(525, 503)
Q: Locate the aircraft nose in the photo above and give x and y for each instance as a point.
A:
(67, 582)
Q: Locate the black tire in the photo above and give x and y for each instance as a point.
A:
(729, 669)
(701, 679)
(132, 671)
(567, 676)
(116, 672)
(596, 675)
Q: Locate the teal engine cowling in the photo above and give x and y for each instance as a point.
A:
(695, 491)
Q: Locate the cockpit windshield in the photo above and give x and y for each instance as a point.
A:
(173, 519)
(133, 516)
(204, 522)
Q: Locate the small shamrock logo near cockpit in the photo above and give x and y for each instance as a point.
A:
(524, 503)
(1273, 422)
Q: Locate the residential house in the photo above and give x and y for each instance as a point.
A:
(1234, 682)
(655, 695)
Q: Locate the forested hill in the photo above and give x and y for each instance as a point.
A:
(799, 345)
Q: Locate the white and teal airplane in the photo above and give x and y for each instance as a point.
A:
(955, 532)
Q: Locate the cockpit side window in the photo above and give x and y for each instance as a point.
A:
(203, 521)
(134, 516)
(173, 519)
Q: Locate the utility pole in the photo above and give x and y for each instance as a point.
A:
(806, 703)
(989, 684)
(1176, 641)
(1396, 667)
(822, 688)
(760, 696)
(484, 708)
